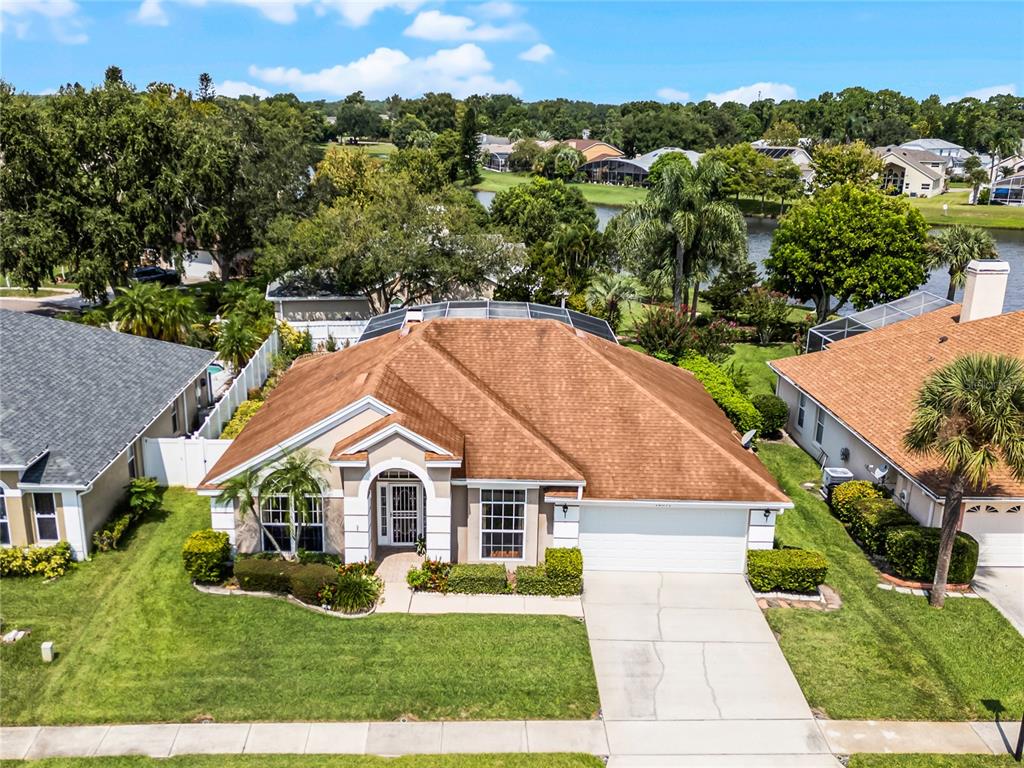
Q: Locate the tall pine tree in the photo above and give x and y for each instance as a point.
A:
(469, 148)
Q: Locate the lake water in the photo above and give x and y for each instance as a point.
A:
(1010, 243)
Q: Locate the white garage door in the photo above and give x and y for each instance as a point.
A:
(663, 539)
(1000, 537)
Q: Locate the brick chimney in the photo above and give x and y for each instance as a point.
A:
(985, 289)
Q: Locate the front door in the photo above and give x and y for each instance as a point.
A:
(401, 503)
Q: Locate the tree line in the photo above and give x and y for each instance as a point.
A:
(875, 117)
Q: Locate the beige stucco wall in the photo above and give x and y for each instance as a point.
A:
(107, 491)
(19, 519)
(324, 309)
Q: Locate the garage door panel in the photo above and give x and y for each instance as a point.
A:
(680, 540)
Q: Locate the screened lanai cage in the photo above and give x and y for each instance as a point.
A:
(486, 309)
(820, 336)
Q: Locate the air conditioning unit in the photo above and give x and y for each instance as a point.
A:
(831, 477)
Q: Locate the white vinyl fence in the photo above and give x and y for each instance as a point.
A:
(253, 375)
(180, 460)
(341, 330)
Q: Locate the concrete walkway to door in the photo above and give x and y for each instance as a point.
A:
(686, 664)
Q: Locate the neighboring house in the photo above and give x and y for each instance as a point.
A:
(494, 439)
(75, 404)
(851, 403)
(592, 149)
(798, 155)
(630, 171)
(496, 150)
(301, 298)
(913, 172)
(954, 153)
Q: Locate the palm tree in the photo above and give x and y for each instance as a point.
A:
(687, 220)
(298, 476)
(577, 248)
(237, 341)
(137, 310)
(608, 291)
(242, 490)
(970, 414)
(955, 247)
(1002, 141)
(179, 315)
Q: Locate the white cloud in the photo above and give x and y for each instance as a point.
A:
(444, 27)
(538, 53)
(748, 93)
(235, 88)
(984, 94)
(152, 12)
(461, 71)
(61, 16)
(497, 9)
(355, 13)
(673, 94)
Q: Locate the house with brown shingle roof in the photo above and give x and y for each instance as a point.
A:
(494, 439)
(851, 403)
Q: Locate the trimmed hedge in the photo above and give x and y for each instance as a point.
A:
(716, 381)
(478, 579)
(205, 554)
(48, 562)
(912, 553)
(872, 520)
(845, 495)
(774, 413)
(308, 579)
(532, 580)
(561, 573)
(786, 570)
(259, 575)
(243, 415)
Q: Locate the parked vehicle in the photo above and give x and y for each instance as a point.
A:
(156, 275)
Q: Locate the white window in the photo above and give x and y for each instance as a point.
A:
(819, 425)
(502, 523)
(281, 521)
(801, 410)
(175, 418)
(133, 461)
(5, 526)
(46, 517)
(926, 185)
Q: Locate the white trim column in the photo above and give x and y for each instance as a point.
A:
(566, 525)
(357, 528)
(74, 524)
(439, 528)
(222, 518)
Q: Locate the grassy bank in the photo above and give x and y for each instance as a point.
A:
(960, 212)
(136, 643)
(885, 655)
(598, 194)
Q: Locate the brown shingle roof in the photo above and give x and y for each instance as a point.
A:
(870, 381)
(528, 400)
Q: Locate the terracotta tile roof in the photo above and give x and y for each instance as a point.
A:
(870, 381)
(530, 400)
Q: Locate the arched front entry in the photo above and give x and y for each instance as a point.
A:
(399, 501)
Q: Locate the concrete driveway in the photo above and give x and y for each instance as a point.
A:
(687, 665)
(1004, 588)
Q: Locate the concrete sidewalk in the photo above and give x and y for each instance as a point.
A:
(630, 744)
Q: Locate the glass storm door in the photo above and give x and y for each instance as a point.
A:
(404, 512)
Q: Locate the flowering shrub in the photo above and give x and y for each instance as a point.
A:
(431, 576)
(48, 562)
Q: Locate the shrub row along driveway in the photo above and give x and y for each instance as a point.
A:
(885, 655)
(136, 643)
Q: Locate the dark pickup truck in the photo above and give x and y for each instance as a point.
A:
(156, 275)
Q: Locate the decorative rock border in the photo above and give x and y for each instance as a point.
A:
(826, 599)
(224, 591)
(925, 585)
(924, 589)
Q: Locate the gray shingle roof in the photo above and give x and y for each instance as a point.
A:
(78, 395)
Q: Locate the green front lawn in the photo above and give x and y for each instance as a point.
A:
(320, 761)
(886, 655)
(136, 643)
(932, 761)
(598, 194)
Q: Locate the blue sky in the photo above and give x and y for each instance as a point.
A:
(600, 51)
